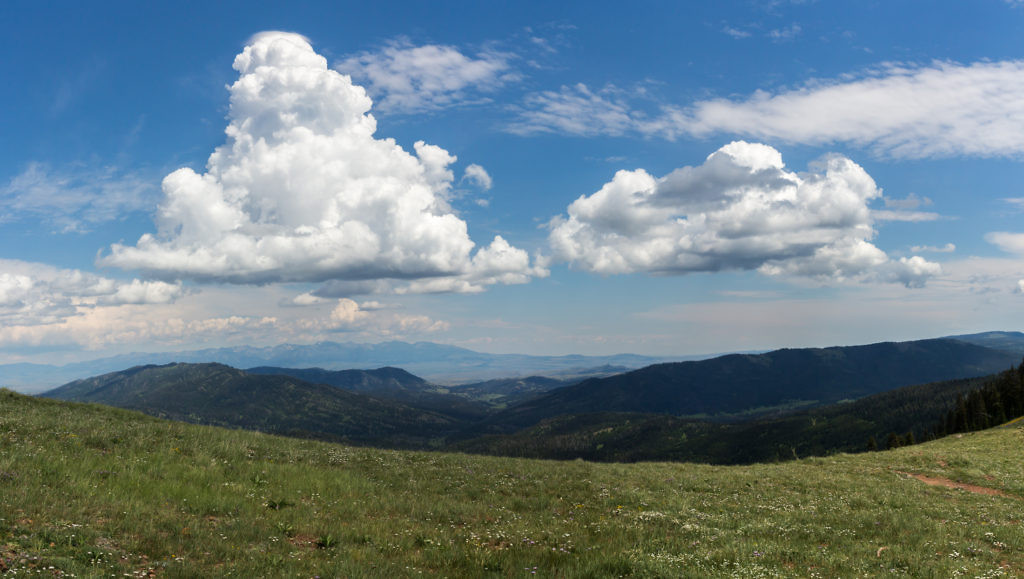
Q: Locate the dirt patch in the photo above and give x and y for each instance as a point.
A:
(936, 481)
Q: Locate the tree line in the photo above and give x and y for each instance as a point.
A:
(999, 400)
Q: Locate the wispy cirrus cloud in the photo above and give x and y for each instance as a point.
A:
(943, 109)
(582, 111)
(410, 79)
(74, 198)
(948, 248)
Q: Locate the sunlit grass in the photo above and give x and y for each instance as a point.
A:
(92, 491)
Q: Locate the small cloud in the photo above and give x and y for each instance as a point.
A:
(784, 34)
(302, 300)
(578, 110)
(948, 248)
(911, 201)
(478, 176)
(909, 216)
(735, 32)
(1017, 202)
(1008, 242)
(409, 79)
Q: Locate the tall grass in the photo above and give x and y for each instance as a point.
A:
(92, 491)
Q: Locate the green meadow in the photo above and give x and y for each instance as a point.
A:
(91, 491)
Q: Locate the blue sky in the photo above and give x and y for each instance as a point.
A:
(600, 177)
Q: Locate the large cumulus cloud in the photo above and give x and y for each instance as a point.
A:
(302, 191)
(741, 209)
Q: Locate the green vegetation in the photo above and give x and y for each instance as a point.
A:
(94, 491)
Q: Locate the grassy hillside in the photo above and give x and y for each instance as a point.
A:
(94, 491)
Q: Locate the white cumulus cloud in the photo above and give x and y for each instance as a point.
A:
(302, 191)
(35, 293)
(1007, 241)
(478, 176)
(349, 316)
(741, 209)
(411, 79)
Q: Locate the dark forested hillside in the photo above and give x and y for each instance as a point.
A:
(748, 385)
(841, 427)
(387, 382)
(999, 399)
(224, 396)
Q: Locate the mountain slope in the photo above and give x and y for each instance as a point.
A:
(752, 384)
(220, 395)
(387, 382)
(1008, 341)
(841, 427)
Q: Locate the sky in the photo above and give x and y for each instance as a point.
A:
(660, 178)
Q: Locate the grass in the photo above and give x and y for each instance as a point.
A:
(90, 491)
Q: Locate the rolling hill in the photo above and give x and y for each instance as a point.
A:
(389, 383)
(220, 395)
(821, 431)
(92, 491)
(745, 385)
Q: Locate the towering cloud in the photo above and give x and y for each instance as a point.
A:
(303, 191)
(741, 209)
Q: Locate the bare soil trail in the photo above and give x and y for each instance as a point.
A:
(951, 484)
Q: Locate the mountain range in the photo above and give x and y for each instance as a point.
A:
(439, 363)
(696, 410)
